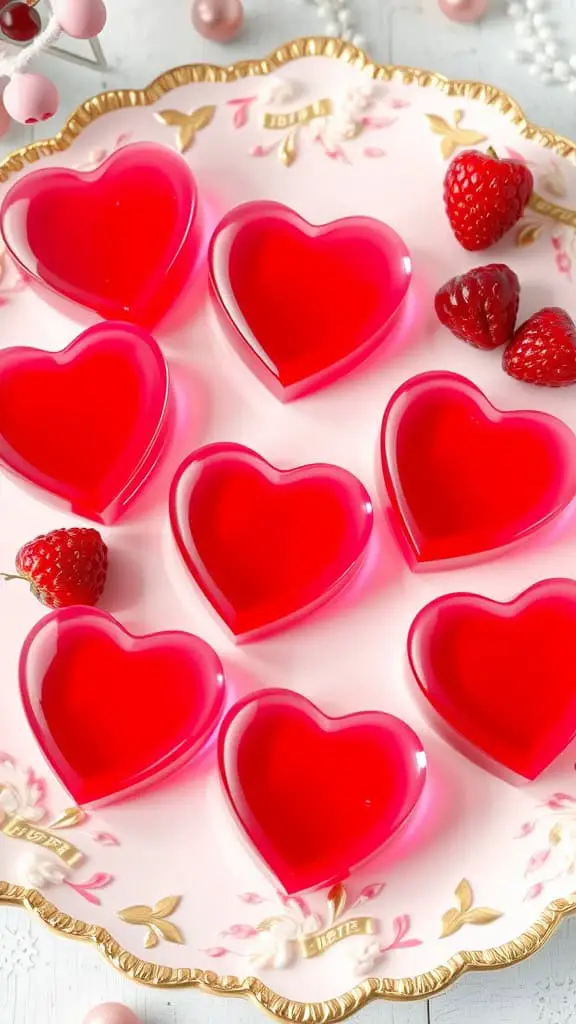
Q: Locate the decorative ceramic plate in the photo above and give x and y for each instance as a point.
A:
(161, 882)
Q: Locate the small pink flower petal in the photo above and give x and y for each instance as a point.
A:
(104, 838)
(534, 891)
(513, 154)
(374, 152)
(401, 925)
(97, 881)
(370, 892)
(241, 931)
(536, 861)
(251, 897)
(240, 116)
(525, 829)
(215, 951)
(377, 122)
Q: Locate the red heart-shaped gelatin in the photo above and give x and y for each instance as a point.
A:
(465, 479)
(317, 796)
(88, 424)
(122, 240)
(502, 676)
(114, 712)
(266, 545)
(305, 303)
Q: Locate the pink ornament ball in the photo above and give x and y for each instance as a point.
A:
(111, 1013)
(81, 19)
(463, 10)
(218, 20)
(30, 98)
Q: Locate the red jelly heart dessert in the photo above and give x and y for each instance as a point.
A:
(305, 303)
(113, 712)
(465, 479)
(502, 676)
(266, 545)
(122, 239)
(87, 424)
(317, 796)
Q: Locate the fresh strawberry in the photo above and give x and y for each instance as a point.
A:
(64, 567)
(480, 306)
(485, 196)
(543, 350)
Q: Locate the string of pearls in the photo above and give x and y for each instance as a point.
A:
(338, 20)
(538, 44)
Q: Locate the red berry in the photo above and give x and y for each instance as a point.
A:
(543, 350)
(20, 22)
(65, 567)
(484, 197)
(480, 306)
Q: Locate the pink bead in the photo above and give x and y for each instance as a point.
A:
(111, 1013)
(30, 98)
(81, 19)
(218, 20)
(463, 10)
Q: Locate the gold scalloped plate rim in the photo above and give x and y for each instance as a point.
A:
(432, 982)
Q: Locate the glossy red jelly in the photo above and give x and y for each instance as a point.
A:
(114, 712)
(317, 796)
(87, 424)
(465, 479)
(502, 676)
(266, 545)
(275, 278)
(122, 240)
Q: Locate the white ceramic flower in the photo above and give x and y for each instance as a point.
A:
(278, 90)
(39, 870)
(366, 959)
(275, 946)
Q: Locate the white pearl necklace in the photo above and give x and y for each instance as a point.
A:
(338, 20)
(538, 45)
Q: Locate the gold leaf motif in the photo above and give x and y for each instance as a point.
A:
(463, 894)
(139, 914)
(438, 124)
(528, 233)
(336, 901)
(482, 915)
(451, 922)
(169, 931)
(154, 919)
(187, 124)
(555, 835)
(268, 922)
(202, 117)
(466, 913)
(448, 146)
(70, 818)
(288, 151)
(452, 135)
(167, 906)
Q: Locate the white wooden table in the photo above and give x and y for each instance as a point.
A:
(48, 981)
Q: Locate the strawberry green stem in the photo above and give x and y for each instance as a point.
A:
(492, 152)
(12, 576)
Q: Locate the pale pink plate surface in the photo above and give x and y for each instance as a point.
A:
(515, 845)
